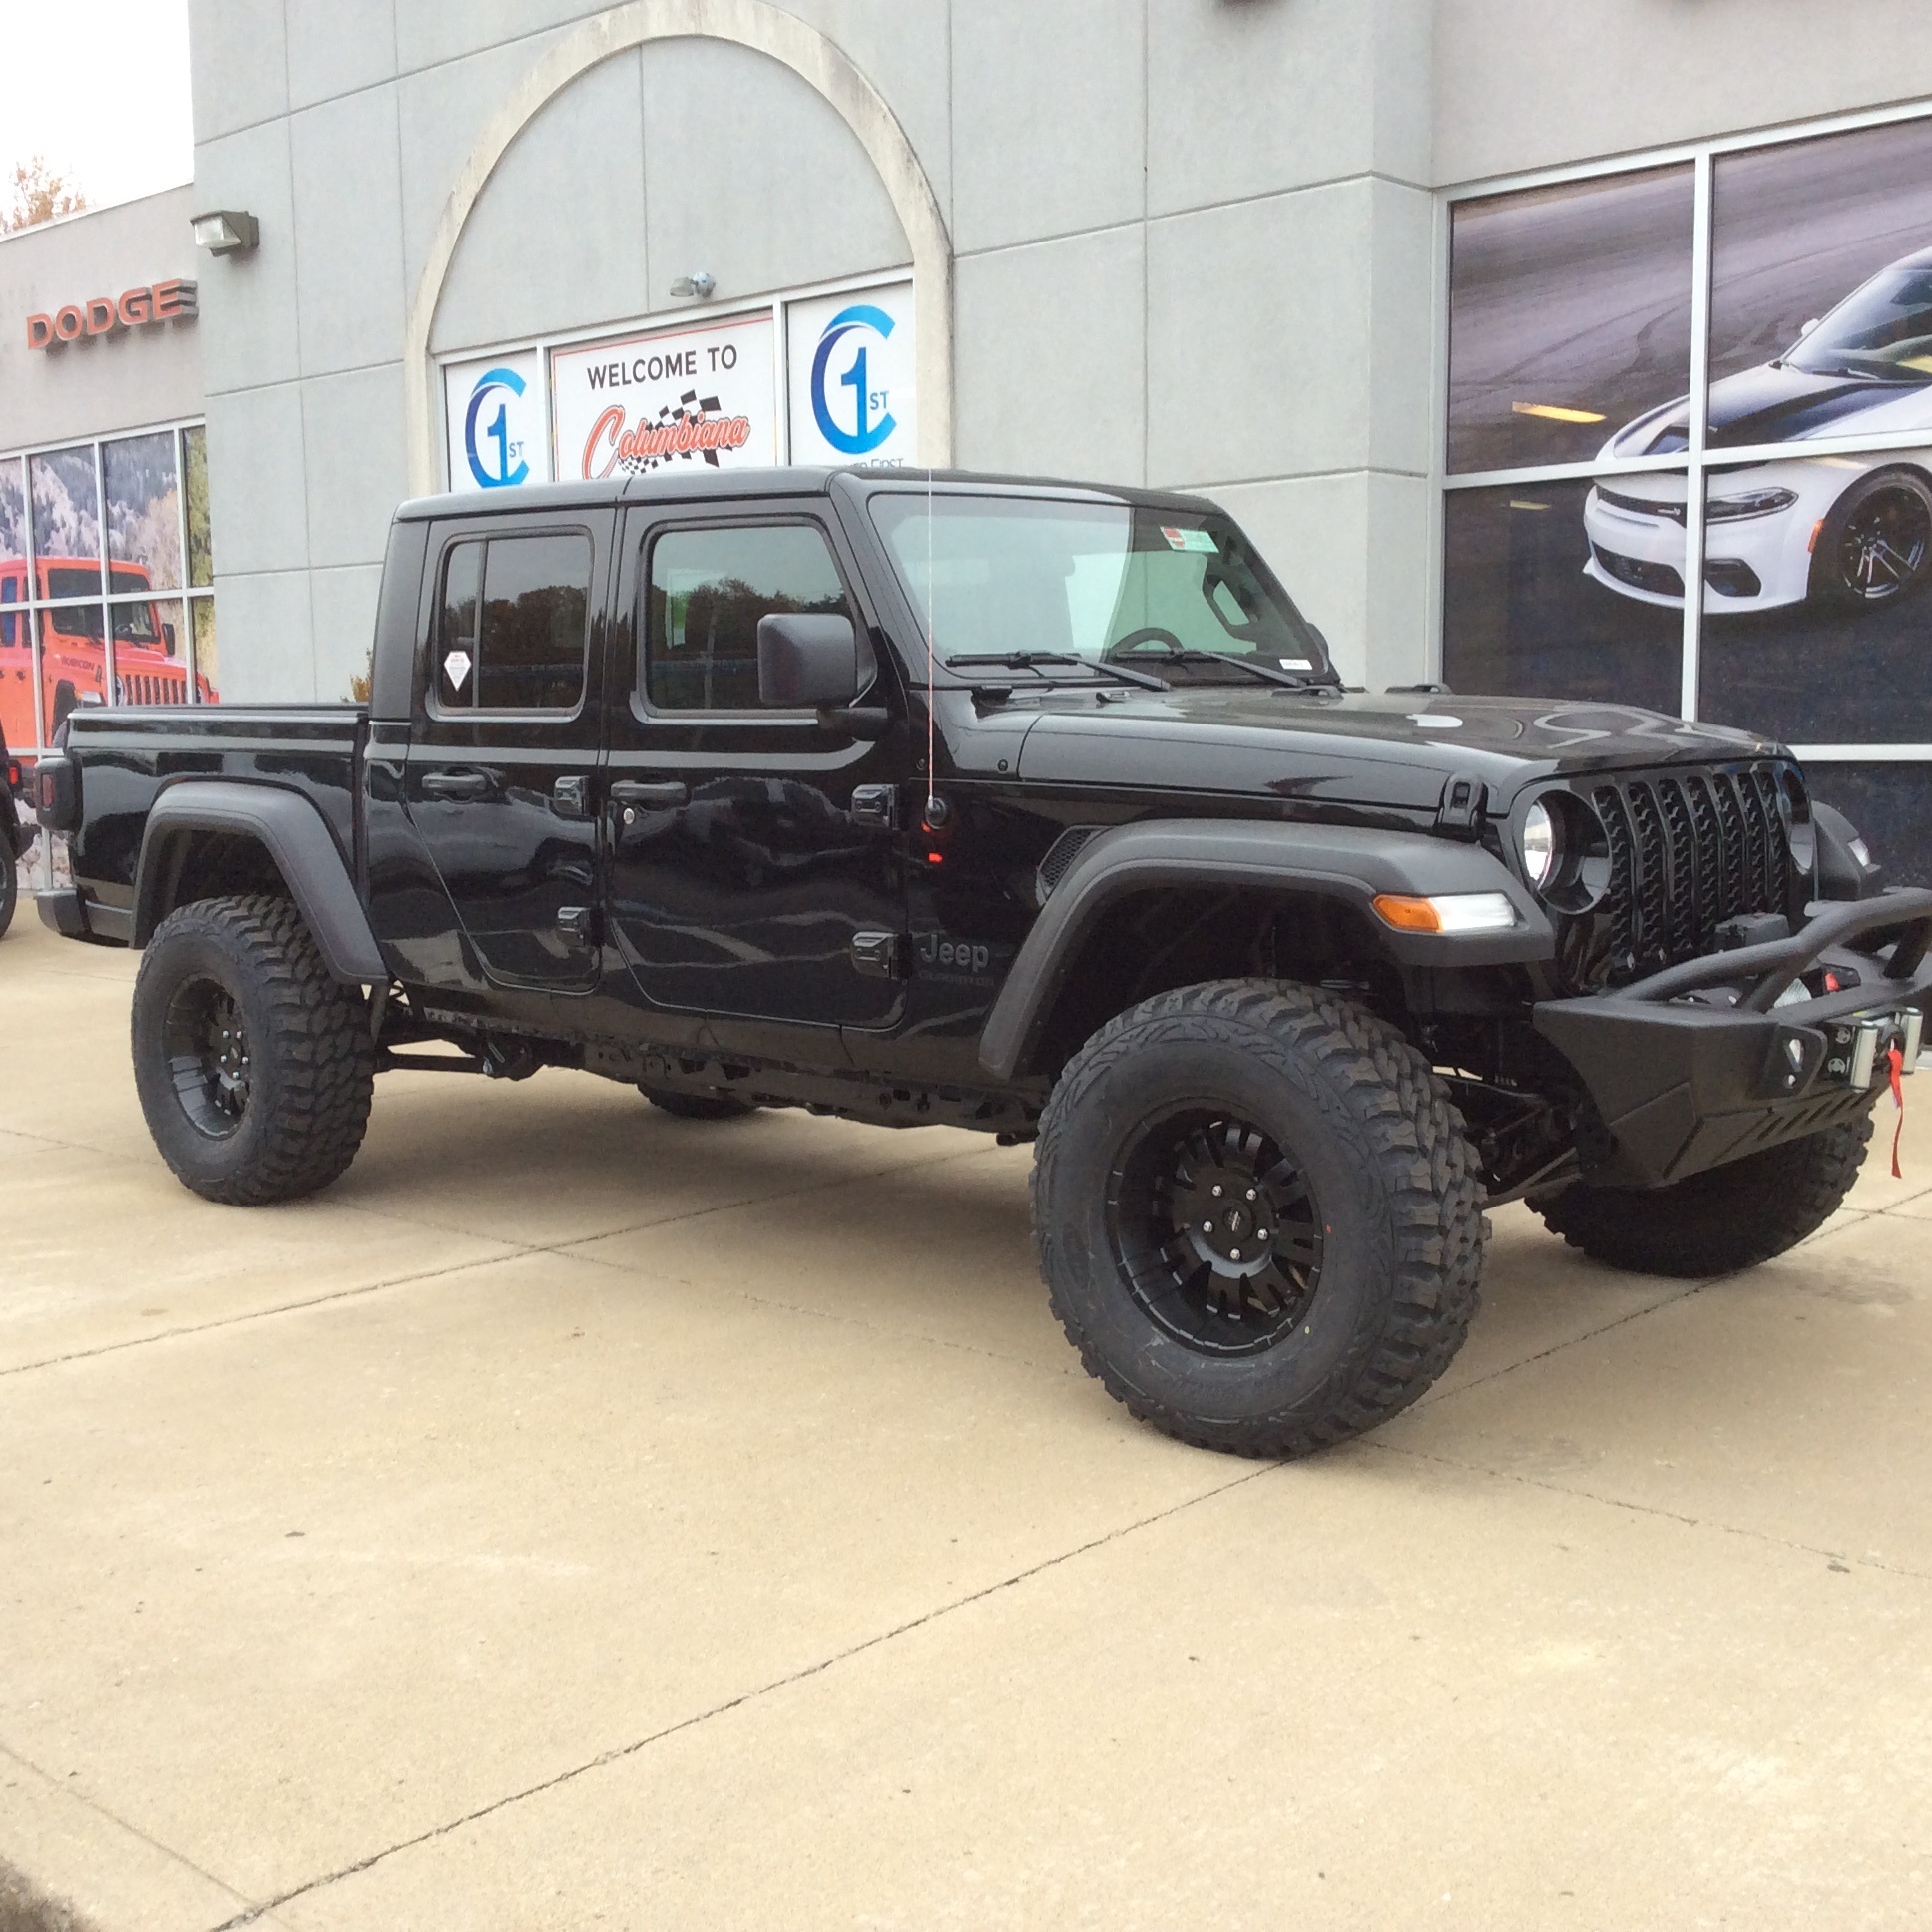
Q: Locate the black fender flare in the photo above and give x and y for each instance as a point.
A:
(295, 834)
(1344, 863)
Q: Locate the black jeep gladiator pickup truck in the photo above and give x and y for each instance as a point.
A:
(1026, 807)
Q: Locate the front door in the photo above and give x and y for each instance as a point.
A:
(501, 775)
(748, 849)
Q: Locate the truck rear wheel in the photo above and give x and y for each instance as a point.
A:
(255, 1068)
(1258, 1216)
(1718, 1221)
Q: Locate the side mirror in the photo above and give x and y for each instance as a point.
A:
(807, 662)
(168, 637)
(1809, 327)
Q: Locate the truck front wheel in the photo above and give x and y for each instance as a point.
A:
(1258, 1216)
(255, 1068)
(1718, 1221)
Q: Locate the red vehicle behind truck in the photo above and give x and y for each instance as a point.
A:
(148, 667)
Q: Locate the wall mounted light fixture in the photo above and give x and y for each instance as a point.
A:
(226, 231)
(700, 285)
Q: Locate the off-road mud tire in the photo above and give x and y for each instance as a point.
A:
(697, 1106)
(313, 1061)
(9, 883)
(1720, 1222)
(1393, 1171)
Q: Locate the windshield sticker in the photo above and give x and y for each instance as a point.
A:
(456, 666)
(1179, 539)
(1296, 664)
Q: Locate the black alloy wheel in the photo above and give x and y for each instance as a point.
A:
(1877, 541)
(255, 1066)
(1216, 1229)
(1257, 1215)
(207, 1044)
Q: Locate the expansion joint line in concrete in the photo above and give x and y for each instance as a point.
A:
(1654, 1510)
(512, 1251)
(100, 1810)
(619, 1753)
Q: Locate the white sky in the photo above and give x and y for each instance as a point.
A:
(100, 87)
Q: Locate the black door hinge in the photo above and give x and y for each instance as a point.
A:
(1460, 814)
(876, 806)
(879, 955)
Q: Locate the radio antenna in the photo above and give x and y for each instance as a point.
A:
(932, 687)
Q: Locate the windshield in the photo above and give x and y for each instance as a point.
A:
(1882, 330)
(996, 575)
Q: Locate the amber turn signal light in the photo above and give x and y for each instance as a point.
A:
(1407, 915)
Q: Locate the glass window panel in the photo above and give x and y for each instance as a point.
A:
(709, 588)
(457, 630)
(1891, 805)
(986, 572)
(1816, 627)
(73, 662)
(1821, 286)
(1569, 316)
(67, 506)
(207, 663)
(150, 654)
(18, 724)
(533, 623)
(1548, 592)
(144, 510)
(201, 555)
(13, 530)
(79, 622)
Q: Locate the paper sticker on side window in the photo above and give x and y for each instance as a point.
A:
(1179, 539)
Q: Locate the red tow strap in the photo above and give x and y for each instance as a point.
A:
(1898, 1100)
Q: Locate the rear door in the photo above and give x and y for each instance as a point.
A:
(751, 850)
(501, 776)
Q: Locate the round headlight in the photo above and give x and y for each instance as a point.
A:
(1538, 844)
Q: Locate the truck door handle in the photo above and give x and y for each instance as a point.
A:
(653, 795)
(457, 785)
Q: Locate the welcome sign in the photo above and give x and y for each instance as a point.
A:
(665, 398)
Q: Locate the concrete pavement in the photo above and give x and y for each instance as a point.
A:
(583, 1518)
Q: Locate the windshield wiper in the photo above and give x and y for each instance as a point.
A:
(1034, 660)
(1271, 674)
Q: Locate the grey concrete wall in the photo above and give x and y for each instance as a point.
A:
(1522, 83)
(112, 382)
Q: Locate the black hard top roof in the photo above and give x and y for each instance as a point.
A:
(696, 483)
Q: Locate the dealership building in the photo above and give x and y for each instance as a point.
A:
(1497, 323)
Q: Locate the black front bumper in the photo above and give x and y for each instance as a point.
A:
(1701, 1064)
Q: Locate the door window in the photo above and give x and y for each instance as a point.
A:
(706, 591)
(511, 633)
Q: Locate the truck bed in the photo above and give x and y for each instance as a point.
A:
(126, 755)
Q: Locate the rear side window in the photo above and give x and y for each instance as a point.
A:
(706, 591)
(514, 621)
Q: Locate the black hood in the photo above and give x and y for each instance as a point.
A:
(1353, 748)
(1772, 403)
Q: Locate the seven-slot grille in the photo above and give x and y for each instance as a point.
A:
(152, 687)
(1688, 850)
